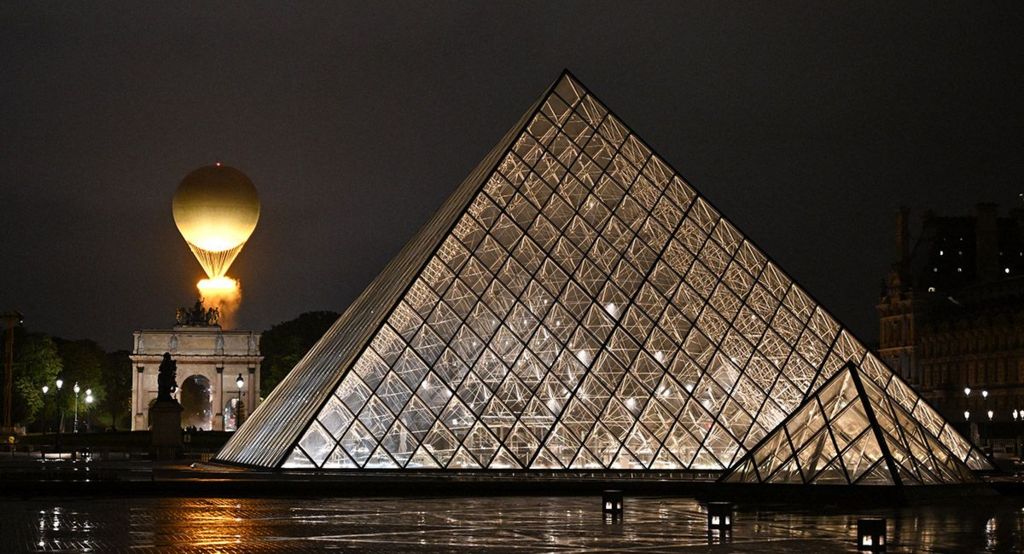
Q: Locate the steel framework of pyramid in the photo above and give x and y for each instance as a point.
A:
(574, 304)
(850, 432)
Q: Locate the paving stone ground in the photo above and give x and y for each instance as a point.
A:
(494, 524)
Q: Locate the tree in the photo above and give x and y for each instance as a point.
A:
(284, 344)
(36, 364)
(117, 387)
(83, 362)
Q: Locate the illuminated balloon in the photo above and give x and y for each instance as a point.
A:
(216, 209)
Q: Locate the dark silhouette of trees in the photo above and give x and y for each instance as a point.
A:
(284, 344)
(117, 385)
(36, 363)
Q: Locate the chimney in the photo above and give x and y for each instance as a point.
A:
(986, 237)
(903, 241)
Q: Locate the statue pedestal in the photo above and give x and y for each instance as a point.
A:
(165, 429)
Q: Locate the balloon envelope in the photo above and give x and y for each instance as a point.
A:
(216, 209)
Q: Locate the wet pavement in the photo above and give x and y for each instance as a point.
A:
(492, 524)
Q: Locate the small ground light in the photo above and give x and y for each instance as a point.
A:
(720, 516)
(612, 506)
(871, 534)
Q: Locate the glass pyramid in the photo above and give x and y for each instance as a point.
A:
(574, 304)
(850, 432)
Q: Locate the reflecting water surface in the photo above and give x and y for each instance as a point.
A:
(499, 524)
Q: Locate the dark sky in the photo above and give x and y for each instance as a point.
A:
(806, 126)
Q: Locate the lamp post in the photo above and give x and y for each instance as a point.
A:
(60, 410)
(239, 382)
(1016, 434)
(77, 389)
(967, 420)
(88, 400)
(988, 430)
(46, 389)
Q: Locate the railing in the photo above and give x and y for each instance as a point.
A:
(485, 475)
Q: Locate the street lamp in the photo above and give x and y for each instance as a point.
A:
(77, 389)
(238, 407)
(88, 402)
(88, 399)
(967, 391)
(60, 410)
(988, 431)
(984, 394)
(1016, 432)
(46, 389)
(967, 420)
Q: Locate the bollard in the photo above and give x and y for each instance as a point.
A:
(720, 516)
(612, 506)
(871, 534)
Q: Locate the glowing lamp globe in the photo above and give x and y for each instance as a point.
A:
(216, 209)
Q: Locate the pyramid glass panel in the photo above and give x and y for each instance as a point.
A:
(575, 303)
(850, 432)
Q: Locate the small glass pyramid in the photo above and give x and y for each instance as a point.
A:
(850, 432)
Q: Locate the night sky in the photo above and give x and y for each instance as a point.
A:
(807, 127)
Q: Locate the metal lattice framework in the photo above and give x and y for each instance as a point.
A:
(850, 432)
(574, 304)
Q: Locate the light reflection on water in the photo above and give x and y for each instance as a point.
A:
(557, 524)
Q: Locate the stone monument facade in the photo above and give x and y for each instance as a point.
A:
(210, 361)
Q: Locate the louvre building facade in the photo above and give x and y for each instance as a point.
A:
(575, 304)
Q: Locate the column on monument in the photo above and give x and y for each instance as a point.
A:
(218, 420)
(138, 410)
(135, 398)
(250, 393)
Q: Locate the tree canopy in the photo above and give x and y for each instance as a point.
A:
(116, 382)
(284, 344)
(37, 363)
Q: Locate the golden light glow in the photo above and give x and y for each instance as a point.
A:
(218, 286)
(216, 209)
(223, 293)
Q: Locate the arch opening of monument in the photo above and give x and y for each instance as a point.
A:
(231, 413)
(197, 403)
